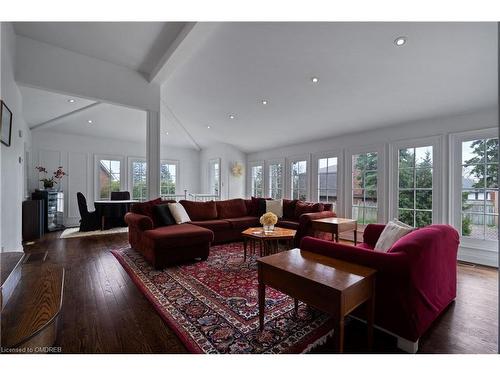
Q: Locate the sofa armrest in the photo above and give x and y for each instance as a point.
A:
(137, 221)
(394, 263)
(372, 233)
(306, 218)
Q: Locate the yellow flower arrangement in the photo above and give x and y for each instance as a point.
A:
(268, 219)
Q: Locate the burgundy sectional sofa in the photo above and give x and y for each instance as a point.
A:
(211, 222)
(416, 278)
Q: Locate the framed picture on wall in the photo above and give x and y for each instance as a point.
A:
(5, 124)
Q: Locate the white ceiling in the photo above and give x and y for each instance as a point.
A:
(136, 45)
(366, 82)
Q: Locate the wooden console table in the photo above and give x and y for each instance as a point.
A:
(336, 225)
(328, 284)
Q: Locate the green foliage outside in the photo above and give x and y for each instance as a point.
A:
(365, 188)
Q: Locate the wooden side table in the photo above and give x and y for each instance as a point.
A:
(328, 284)
(336, 225)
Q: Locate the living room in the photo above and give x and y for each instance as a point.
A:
(249, 187)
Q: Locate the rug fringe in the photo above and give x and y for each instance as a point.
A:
(322, 340)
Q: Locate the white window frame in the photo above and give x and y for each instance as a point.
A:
(267, 178)
(209, 182)
(340, 178)
(250, 165)
(288, 183)
(455, 200)
(130, 184)
(437, 175)
(382, 195)
(177, 173)
(123, 175)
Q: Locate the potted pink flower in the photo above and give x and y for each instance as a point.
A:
(48, 183)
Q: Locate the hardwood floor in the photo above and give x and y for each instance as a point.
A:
(104, 312)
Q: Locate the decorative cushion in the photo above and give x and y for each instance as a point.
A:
(275, 206)
(231, 208)
(289, 208)
(198, 211)
(392, 232)
(179, 213)
(307, 208)
(163, 215)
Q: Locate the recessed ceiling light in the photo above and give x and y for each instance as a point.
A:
(400, 41)
(264, 101)
(314, 79)
(167, 133)
(208, 126)
(231, 117)
(90, 121)
(71, 100)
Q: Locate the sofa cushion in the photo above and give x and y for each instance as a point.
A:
(307, 208)
(289, 224)
(181, 235)
(244, 222)
(289, 208)
(198, 211)
(231, 208)
(214, 225)
(162, 215)
(179, 213)
(146, 208)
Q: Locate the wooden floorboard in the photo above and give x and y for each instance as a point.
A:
(104, 312)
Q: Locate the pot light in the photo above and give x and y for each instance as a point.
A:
(314, 79)
(231, 117)
(400, 41)
(90, 121)
(71, 100)
(167, 133)
(208, 126)
(264, 101)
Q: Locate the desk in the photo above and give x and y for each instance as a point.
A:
(112, 210)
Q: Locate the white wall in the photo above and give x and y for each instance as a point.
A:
(381, 140)
(231, 186)
(76, 154)
(12, 158)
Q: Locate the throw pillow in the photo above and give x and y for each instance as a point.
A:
(163, 215)
(391, 233)
(289, 208)
(307, 208)
(275, 206)
(179, 213)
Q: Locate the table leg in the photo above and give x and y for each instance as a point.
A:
(244, 249)
(296, 306)
(370, 314)
(355, 237)
(340, 335)
(103, 221)
(262, 303)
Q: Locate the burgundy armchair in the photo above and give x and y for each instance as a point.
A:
(416, 279)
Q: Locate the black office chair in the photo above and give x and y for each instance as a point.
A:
(89, 220)
(120, 195)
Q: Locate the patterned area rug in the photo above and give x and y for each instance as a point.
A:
(212, 306)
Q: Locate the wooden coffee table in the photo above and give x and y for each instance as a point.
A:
(328, 284)
(268, 242)
(336, 225)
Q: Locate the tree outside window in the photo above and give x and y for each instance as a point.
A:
(139, 180)
(168, 178)
(480, 189)
(257, 181)
(109, 177)
(276, 181)
(327, 180)
(299, 180)
(364, 188)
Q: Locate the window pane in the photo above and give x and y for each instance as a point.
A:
(406, 178)
(364, 183)
(299, 180)
(371, 198)
(357, 197)
(491, 230)
(423, 199)
(406, 199)
(105, 184)
(473, 200)
(406, 158)
(370, 180)
(491, 202)
(370, 215)
(406, 216)
(473, 152)
(473, 225)
(473, 176)
(423, 178)
(371, 161)
(492, 150)
(423, 157)
(356, 213)
(423, 218)
(492, 175)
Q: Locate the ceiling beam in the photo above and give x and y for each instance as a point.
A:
(56, 120)
(190, 38)
(183, 128)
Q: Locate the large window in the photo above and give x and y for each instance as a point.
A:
(257, 180)
(327, 180)
(364, 187)
(214, 177)
(415, 185)
(479, 211)
(138, 171)
(276, 180)
(108, 177)
(168, 178)
(299, 180)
